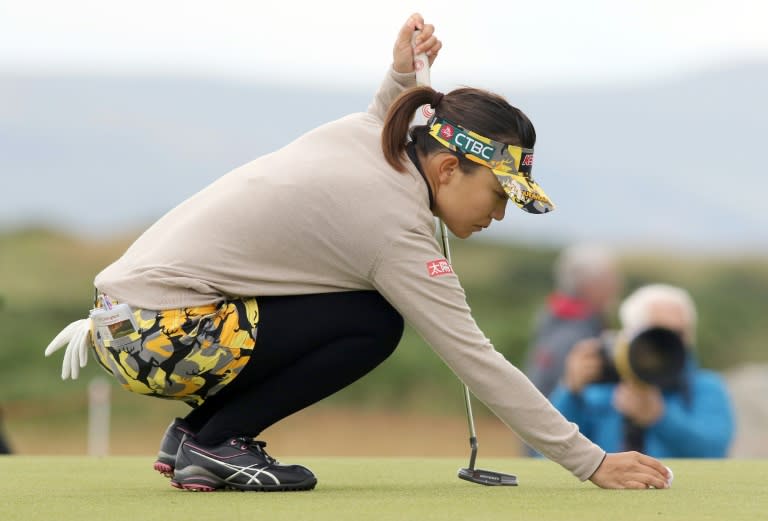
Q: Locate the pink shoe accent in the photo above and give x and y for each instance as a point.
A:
(196, 487)
(164, 469)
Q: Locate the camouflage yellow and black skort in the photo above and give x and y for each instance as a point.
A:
(187, 354)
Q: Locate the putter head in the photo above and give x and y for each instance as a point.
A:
(488, 477)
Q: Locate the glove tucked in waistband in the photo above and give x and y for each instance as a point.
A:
(76, 336)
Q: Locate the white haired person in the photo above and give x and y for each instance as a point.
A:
(655, 400)
(587, 287)
(290, 277)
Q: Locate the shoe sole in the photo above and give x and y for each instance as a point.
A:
(209, 483)
(200, 487)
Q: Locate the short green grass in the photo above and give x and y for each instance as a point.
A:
(84, 489)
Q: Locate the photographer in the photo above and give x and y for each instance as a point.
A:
(588, 283)
(689, 415)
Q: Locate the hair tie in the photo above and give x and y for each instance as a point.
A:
(436, 99)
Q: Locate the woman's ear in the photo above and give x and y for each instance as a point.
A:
(447, 165)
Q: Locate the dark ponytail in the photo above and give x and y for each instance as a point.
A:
(478, 110)
(398, 121)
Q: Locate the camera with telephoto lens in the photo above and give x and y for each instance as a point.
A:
(655, 356)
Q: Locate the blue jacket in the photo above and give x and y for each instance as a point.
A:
(703, 429)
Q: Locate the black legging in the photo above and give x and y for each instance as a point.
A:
(307, 348)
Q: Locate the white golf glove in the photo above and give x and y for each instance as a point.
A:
(76, 337)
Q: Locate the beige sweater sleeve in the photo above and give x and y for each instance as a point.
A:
(394, 83)
(434, 304)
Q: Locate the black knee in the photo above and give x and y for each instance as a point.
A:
(385, 325)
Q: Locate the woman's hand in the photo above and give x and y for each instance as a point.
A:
(426, 42)
(630, 470)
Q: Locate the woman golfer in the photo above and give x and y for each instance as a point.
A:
(289, 278)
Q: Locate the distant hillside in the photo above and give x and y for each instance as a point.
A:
(677, 165)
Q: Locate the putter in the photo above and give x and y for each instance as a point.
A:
(479, 476)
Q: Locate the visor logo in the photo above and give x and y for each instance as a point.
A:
(535, 196)
(446, 132)
(528, 160)
(438, 267)
(473, 146)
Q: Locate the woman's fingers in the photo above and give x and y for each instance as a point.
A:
(630, 470)
(415, 21)
(427, 46)
(406, 46)
(655, 464)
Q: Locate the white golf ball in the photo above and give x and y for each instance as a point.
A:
(671, 477)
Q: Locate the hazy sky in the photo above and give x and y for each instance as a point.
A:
(337, 42)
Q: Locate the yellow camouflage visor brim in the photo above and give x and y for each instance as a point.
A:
(511, 164)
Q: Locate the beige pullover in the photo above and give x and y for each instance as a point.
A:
(327, 213)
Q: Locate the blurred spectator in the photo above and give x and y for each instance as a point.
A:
(691, 418)
(587, 287)
(4, 447)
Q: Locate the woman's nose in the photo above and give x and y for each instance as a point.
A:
(500, 210)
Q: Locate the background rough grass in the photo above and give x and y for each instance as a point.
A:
(46, 282)
(85, 489)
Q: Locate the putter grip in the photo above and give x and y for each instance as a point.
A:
(421, 64)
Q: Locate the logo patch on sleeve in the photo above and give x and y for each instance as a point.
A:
(438, 267)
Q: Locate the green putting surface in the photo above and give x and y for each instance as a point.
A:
(83, 489)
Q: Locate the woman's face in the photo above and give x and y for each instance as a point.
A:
(468, 202)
